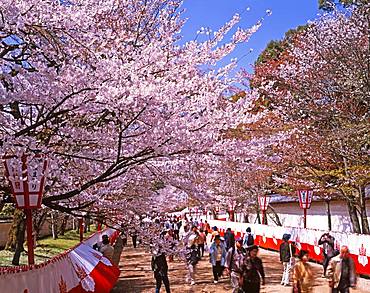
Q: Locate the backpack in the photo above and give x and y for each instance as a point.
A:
(250, 240)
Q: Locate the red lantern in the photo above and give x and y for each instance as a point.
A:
(305, 199)
(263, 202)
(26, 175)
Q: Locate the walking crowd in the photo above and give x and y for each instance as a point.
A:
(236, 259)
(231, 257)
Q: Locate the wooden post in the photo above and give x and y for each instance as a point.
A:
(81, 229)
(328, 212)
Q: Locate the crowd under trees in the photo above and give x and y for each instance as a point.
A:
(124, 111)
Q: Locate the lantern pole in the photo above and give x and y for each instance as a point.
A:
(25, 191)
(99, 222)
(264, 210)
(305, 211)
(80, 222)
(30, 245)
(305, 199)
(28, 212)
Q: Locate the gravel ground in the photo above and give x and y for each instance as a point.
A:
(137, 277)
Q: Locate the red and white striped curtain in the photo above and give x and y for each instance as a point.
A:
(78, 270)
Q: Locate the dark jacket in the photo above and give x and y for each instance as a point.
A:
(335, 272)
(252, 270)
(285, 251)
(229, 239)
(159, 264)
(248, 239)
(192, 255)
(327, 242)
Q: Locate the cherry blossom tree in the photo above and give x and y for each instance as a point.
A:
(319, 87)
(106, 90)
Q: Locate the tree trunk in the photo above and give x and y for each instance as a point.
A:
(18, 218)
(214, 213)
(363, 213)
(258, 218)
(275, 217)
(63, 226)
(350, 203)
(77, 226)
(353, 217)
(87, 224)
(19, 242)
(328, 212)
(38, 223)
(54, 226)
(246, 218)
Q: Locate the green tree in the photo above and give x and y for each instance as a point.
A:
(275, 48)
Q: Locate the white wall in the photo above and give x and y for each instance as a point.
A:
(291, 215)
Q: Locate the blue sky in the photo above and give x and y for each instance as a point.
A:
(286, 14)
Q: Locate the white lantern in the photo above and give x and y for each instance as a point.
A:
(263, 202)
(26, 175)
(305, 198)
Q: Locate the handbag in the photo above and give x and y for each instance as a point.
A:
(292, 258)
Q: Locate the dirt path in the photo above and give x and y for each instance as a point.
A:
(137, 277)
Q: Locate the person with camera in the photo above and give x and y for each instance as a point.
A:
(327, 242)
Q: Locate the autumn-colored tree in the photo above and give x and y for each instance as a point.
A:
(319, 87)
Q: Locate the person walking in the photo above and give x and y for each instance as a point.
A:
(248, 238)
(303, 276)
(214, 233)
(160, 269)
(176, 229)
(217, 254)
(169, 238)
(229, 239)
(287, 251)
(201, 225)
(201, 242)
(253, 273)
(207, 227)
(133, 234)
(234, 260)
(191, 259)
(341, 272)
(327, 242)
(185, 235)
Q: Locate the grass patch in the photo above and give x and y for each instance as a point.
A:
(46, 248)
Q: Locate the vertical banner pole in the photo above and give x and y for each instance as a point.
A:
(31, 257)
(80, 221)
